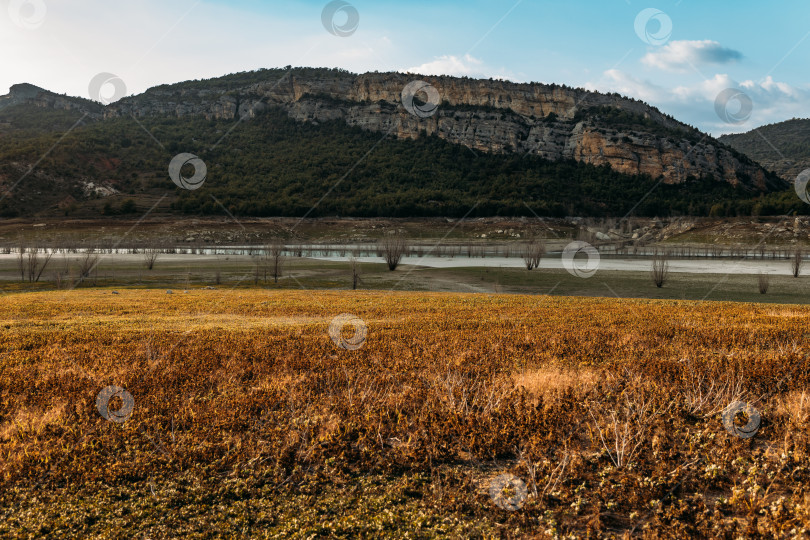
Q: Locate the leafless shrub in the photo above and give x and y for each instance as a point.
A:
(623, 426)
(660, 268)
(393, 248)
(150, 256)
(21, 262)
(62, 274)
(275, 254)
(706, 396)
(258, 264)
(626, 416)
(797, 407)
(554, 477)
(88, 263)
(355, 267)
(32, 262)
(764, 282)
(532, 252)
(796, 261)
(469, 394)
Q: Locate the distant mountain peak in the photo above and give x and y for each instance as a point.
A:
(26, 90)
(783, 148)
(29, 93)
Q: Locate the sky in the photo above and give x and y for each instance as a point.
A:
(722, 66)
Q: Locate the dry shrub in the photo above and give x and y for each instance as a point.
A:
(248, 386)
(532, 252)
(707, 394)
(796, 405)
(796, 262)
(764, 282)
(468, 393)
(393, 246)
(625, 416)
(794, 408)
(659, 270)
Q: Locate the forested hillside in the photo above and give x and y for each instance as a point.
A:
(784, 148)
(274, 165)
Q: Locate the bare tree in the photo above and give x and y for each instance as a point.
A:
(532, 252)
(150, 256)
(275, 253)
(355, 266)
(796, 262)
(21, 262)
(660, 268)
(764, 282)
(88, 263)
(32, 263)
(393, 247)
(259, 263)
(61, 273)
(37, 264)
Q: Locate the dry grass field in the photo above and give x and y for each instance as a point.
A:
(235, 414)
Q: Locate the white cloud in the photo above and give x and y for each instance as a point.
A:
(772, 101)
(683, 55)
(615, 80)
(467, 66)
(151, 42)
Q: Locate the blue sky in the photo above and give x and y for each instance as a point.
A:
(759, 49)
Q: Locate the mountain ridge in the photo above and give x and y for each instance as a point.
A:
(485, 115)
(782, 147)
(28, 93)
(531, 125)
(551, 121)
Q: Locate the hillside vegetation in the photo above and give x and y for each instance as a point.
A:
(783, 147)
(273, 165)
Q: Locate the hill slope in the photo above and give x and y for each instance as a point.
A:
(276, 141)
(783, 148)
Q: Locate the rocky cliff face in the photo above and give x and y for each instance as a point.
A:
(34, 95)
(550, 121)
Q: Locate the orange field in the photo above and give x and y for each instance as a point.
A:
(452, 415)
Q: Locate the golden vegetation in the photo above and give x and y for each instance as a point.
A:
(249, 420)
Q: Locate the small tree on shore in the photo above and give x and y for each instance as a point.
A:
(275, 253)
(764, 282)
(88, 263)
(796, 262)
(532, 252)
(660, 268)
(150, 256)
(393, 247)
(32, 263)
(355, 267)
(21, 262)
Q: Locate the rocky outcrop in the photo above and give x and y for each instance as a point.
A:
(39, 97)
(550, 121)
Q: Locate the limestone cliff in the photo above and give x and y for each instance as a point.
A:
(551, 121)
